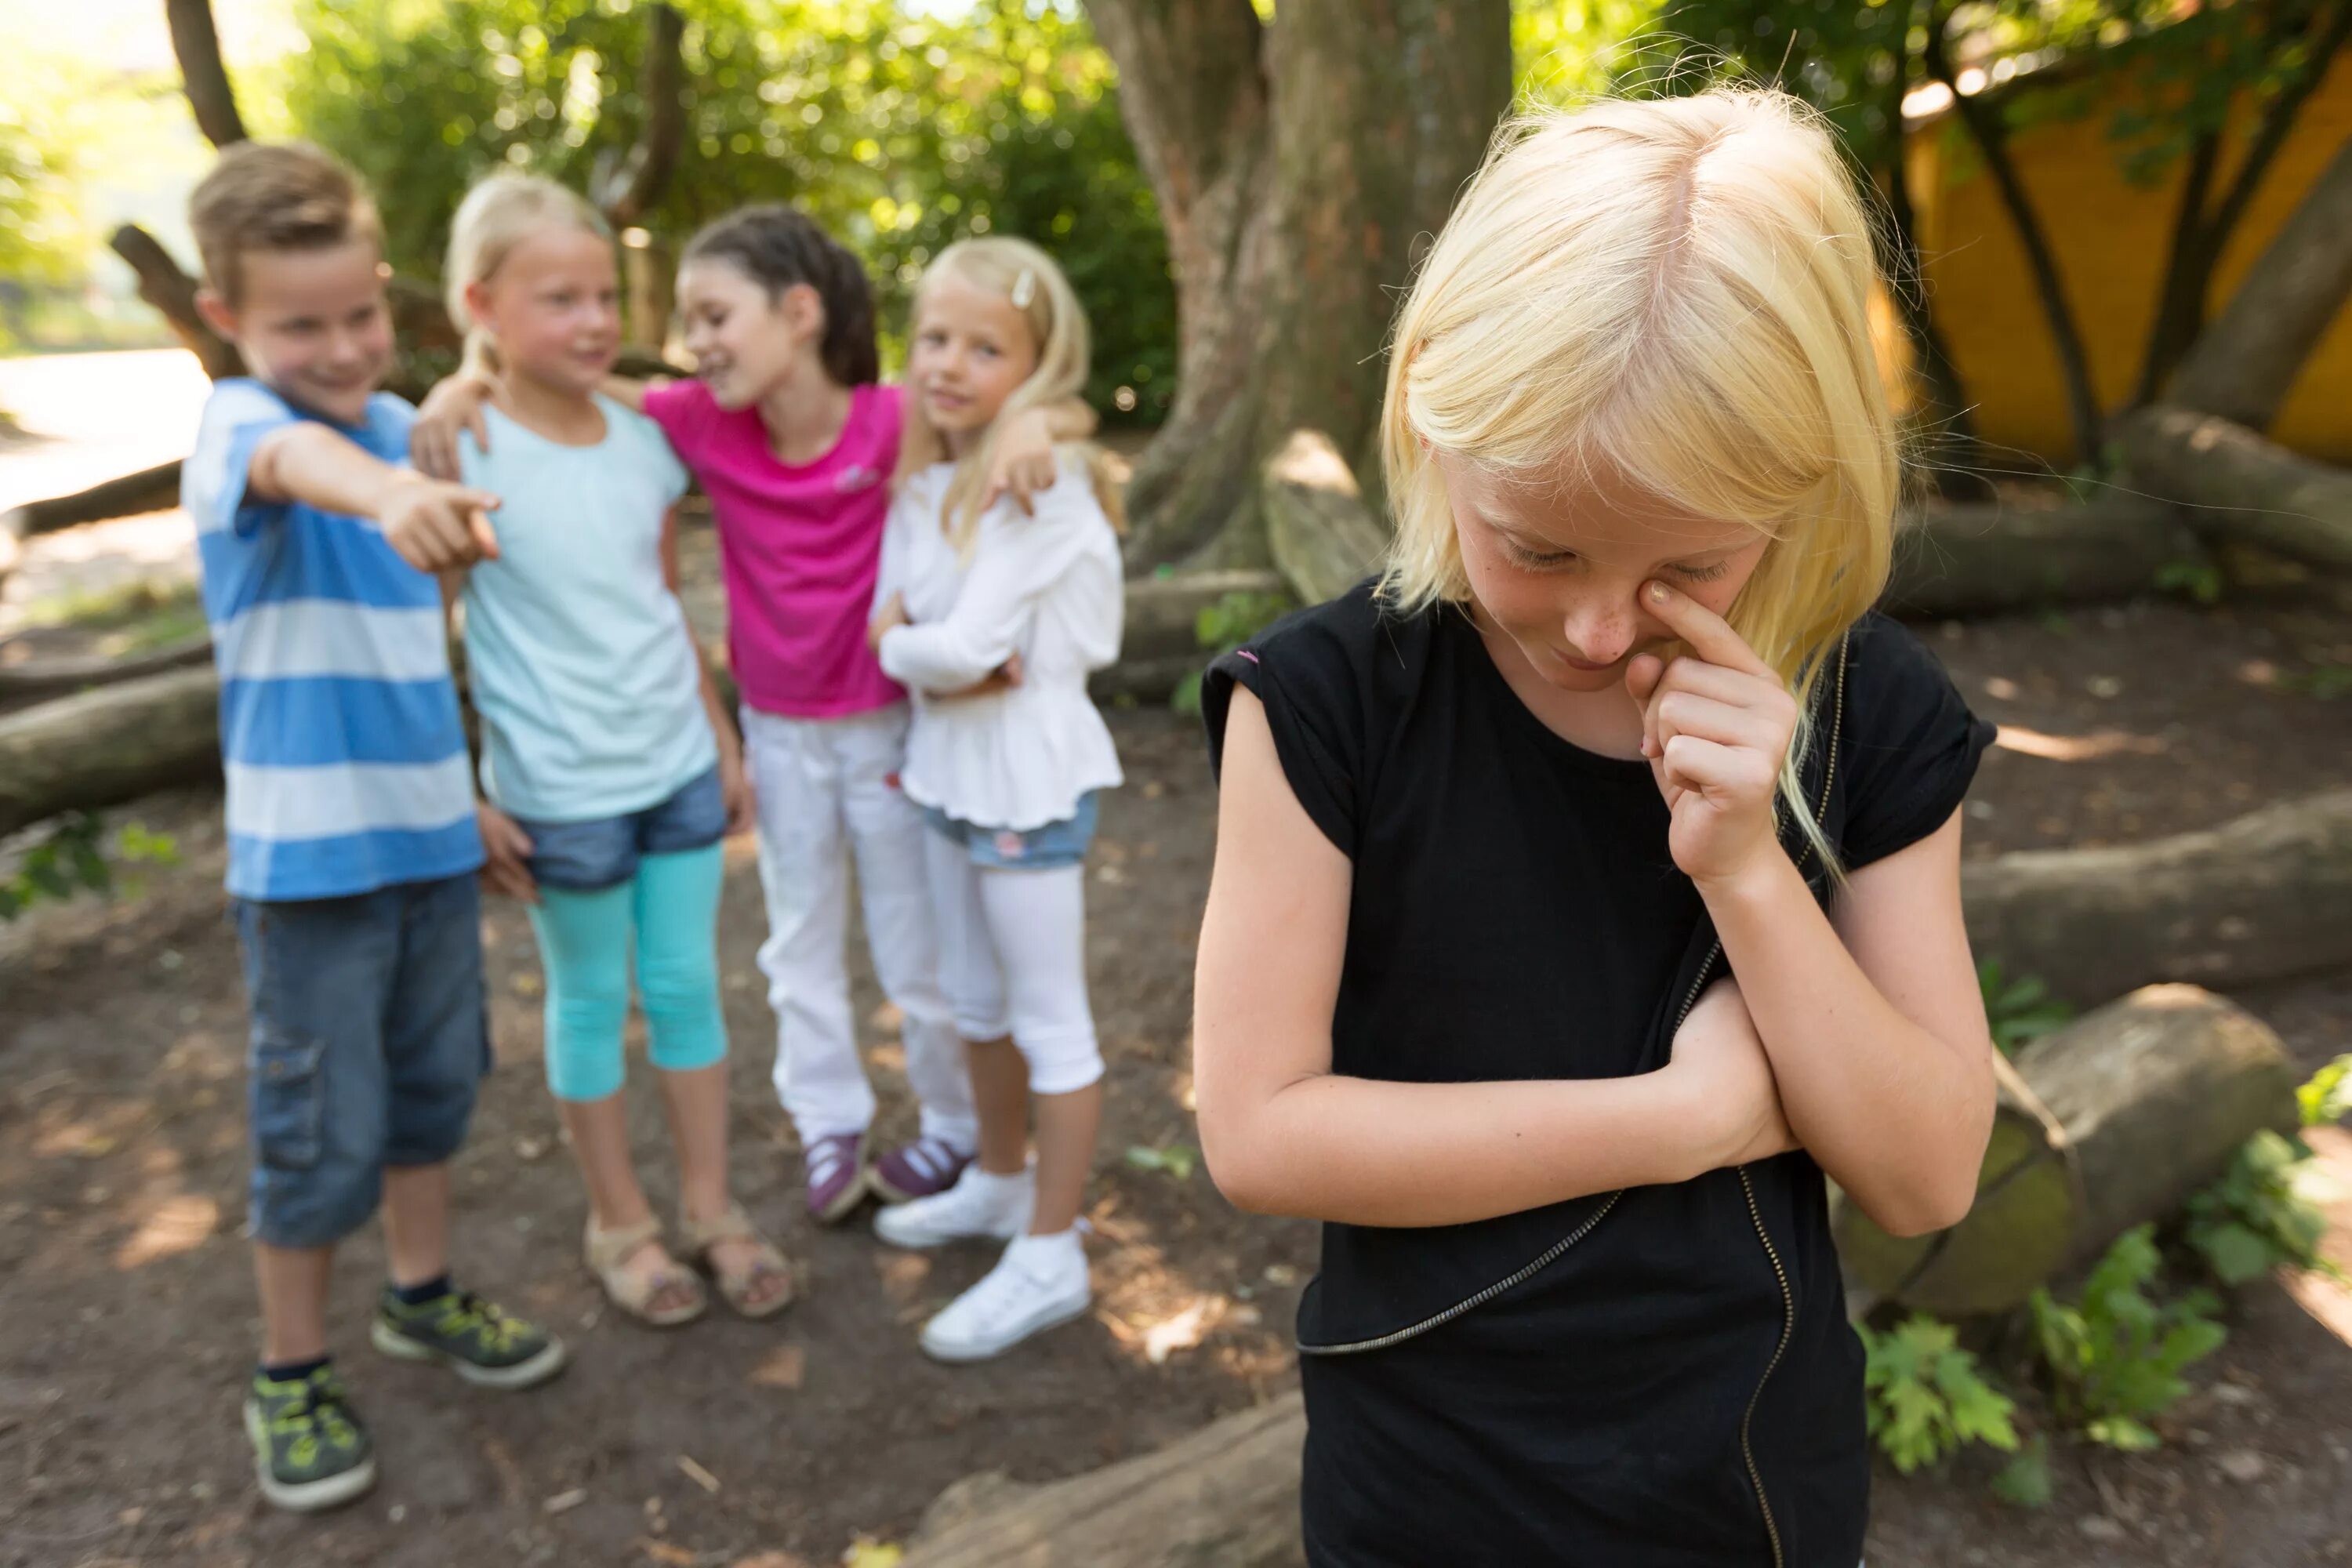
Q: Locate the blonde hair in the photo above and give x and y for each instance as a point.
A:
(1035, 287)
(1676, 291)
(497, 215)
(275, 195)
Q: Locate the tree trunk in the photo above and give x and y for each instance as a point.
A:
(2200, 238)
(1225, 1496)
(2111, 1121)
(1999, 559)
(173, 293)
(2232, 484)
(1323, 537)
(2266, 897)
(1982, 121)
(196, 45)
(2244, 364)
(107, 746)
(1295, 163)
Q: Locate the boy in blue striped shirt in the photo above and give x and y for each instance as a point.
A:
(352, 839)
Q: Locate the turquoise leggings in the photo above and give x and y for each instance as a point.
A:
(671, 908)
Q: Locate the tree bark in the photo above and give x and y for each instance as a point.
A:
(173, 293)
(107, 746)
(148, 489)
(2244, 364)
(1323, 537)
(2266, 897)
(1295, 163)
(2232, 484)
(38, 681)
(2200, 238)
(1995, 559)
(2111, 1121)
(196, 45)
(628, 191)
(1225, 1496)
(1982, 121)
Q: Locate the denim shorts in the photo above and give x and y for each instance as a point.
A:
(1046, 848)
(604, 852)
(368, 1044)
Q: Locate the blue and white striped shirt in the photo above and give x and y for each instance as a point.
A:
(340, 742)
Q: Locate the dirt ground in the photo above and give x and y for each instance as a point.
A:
(130, 1321)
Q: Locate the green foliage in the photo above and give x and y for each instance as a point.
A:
(1926, 1397)
(2197, 580)
(2116, 1358)
(136, 617)
(2025, 1481)
(2019, 1010)
(900, 133)
(2253, 1219)
(73, 860)
(2328, 1097)
(2325, 681)
(1177, 1159)
(1223, 627)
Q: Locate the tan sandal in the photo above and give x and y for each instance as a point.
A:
(738, 1288)
(608, 1253)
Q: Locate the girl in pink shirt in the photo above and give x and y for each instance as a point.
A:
(791, 435)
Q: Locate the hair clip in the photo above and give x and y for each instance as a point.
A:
(1025, 289)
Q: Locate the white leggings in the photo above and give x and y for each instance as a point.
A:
(1013, 959)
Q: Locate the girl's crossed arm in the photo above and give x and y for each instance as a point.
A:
(1284, 1134)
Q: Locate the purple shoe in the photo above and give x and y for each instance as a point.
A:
(837, 1176)
(927, 1166)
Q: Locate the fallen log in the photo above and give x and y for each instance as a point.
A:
(2265, 897)
(1162, 644)
(1991, 559)
(40, 679)
(148, 489)
(2234, 484)
(104, 747)
(2110, 1121)
(1225, 1496)
(1323, 537)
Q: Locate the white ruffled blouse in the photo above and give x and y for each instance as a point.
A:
(1047, 587)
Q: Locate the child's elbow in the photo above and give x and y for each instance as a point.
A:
(1937, 1204)
(1238, 1174)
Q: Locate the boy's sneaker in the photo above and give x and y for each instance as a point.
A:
(310, 1450)
(837, 1176)
(1041, 1282)
(472, 1337)
(922, 1169)
(978, 1205)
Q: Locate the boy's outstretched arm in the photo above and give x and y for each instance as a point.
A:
(433, 524)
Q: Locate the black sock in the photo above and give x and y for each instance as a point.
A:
(292, 1371)
(432, 1289)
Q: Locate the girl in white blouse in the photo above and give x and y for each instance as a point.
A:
(993, 618)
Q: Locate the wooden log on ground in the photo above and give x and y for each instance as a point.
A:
(1323, 536)
(1993, 558)
(2234, 484)
(2265, 897)
(148, 489)
(1225, 1496)
(1162, 644)
(103, 748)
(2110, 1121)
(40, 679)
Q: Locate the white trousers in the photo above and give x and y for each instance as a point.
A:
(1013, 948)
(827, 792)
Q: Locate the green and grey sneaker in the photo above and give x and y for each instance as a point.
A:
(473, 1337)
(309, 1451)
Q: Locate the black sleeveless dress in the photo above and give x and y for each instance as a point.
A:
(1661, 1378)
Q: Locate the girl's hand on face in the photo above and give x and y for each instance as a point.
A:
(453, 405)
(1716, 725)
(735, 787)
(1025, 462)
(1729, 1081)
(892, 615)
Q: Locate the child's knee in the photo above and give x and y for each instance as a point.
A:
(584, 1042)
(1061, 1061)
(685, 1024)
(318, 1155)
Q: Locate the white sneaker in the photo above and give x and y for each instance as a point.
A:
(978, 1205)
(1041, 1282)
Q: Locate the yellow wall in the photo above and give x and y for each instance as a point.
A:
(2111, 238)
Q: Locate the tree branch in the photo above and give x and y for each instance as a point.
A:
(197, 46)
(171, 291)
(630, 189)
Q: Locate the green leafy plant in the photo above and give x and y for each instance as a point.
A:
(1223, 627)
(2116, 1358)
(1926, 1397)
(2328, 1097)
(73, 860)
(1177, 1159)
(2197, 580)
(2025, 1480)
(2019, 1010)
(2253, 1219)
(2323, 681)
